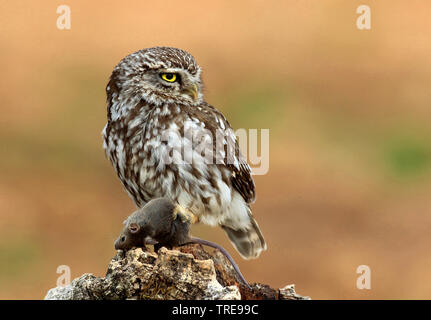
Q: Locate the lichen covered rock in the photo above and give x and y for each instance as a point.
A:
(191, 273)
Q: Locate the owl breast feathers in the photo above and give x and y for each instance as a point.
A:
(164, 140)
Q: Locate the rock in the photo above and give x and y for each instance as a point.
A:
(189, 273)
(289, 293)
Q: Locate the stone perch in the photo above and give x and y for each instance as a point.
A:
(188, 272)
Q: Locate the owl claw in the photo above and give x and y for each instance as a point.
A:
(185, 215)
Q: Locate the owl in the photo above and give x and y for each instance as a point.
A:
(164, 140)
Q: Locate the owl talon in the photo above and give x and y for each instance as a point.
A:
(185, 215)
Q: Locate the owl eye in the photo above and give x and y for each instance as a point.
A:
(169, 77)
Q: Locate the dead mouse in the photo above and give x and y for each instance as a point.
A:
(163, 223)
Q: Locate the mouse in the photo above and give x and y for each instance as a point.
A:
(161, 222)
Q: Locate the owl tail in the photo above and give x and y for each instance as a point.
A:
(248, 242)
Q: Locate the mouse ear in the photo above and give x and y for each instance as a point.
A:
(134, 227)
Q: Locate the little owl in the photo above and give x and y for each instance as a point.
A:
(164, 140)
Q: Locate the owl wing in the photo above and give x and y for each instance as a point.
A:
(230, 152)
(242, 180)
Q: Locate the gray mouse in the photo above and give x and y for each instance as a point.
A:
(163, 223)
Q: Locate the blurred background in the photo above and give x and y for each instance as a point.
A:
(349, 113)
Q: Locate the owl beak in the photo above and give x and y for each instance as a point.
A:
(192, 91)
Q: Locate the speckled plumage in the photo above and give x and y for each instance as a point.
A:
(164, 140)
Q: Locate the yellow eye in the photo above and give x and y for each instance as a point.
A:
(169, 77)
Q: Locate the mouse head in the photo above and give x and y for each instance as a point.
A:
(131, 236)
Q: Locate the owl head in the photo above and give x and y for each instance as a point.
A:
(158, 75)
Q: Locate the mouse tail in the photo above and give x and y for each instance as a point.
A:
(225, 253)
